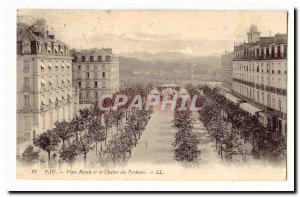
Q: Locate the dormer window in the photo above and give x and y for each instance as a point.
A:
(99, 58)
(91, 58)
(83, 58)
(107, 58)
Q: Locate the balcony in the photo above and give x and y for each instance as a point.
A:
(261, 57)
(270, 89)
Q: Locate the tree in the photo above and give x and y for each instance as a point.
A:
(29, 155)
(117, 148)
(108, 122)
(117, 117)
(69, 154)
(77, 126)
(63, 131)
(96, 129)
(186, 142)
(84, 144)
(47, 141)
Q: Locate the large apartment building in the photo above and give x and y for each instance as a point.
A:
(259, 75)
(95, 72)
(226, 70)
(44, 81)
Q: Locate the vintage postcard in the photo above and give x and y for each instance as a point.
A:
(177, 95)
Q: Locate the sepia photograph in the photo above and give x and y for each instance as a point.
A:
(174, 95)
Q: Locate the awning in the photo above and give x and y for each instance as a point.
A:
(56, 64)
(62, 65)
(250, 108)
(42, 66)
(68, 65)
(232, 98)
(49, 65)
(69, 79)
(43, 100)
(43, 81)
(265, 114)
(62, 80)
(51, 99)
(50, 81)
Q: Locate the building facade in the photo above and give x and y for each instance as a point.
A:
(226, 70)
(260, 77)
(44, 81)
(95, 72)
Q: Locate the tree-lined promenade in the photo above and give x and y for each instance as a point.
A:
(232, 131)
(113, 136)
(91, 127)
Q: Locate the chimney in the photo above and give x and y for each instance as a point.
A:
(51, 37)
(41, 27)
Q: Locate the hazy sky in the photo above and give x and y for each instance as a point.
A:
(190, 32)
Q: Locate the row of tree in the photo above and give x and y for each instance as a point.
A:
(186, 142)
(227, 123)
(90, 128)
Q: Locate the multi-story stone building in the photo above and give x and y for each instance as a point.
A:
(226, 70)
(44, 81)
(95, 72)
(260, 74)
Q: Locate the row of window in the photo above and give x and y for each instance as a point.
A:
(93, 59)
(88, 95)
(274, 51)
(87, 67)
(268, 68)
(87, 84)
(63, 97)
(277, 82)
(88, 75)
(33, 47)
(49, 64)
(260, 96)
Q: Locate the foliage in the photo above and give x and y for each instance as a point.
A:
(47, 141)
(186, 142)
(29, 156)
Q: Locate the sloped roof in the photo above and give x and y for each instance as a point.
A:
(93, 52)
(26, 33)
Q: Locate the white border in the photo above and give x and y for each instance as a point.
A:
(8, 100)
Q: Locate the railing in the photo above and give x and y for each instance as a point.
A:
(262, 57)
(262, 87)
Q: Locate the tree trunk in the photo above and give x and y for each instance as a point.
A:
(253, 142)
(49, 156)
(105, 134)
(101, 145)
(63, 140)
(221, 153)
(96, 148)
(84, 156)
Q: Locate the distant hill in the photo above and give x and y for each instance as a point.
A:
(163, 56)
(166, 60)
